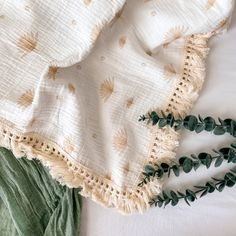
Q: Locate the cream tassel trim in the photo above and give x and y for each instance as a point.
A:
(163, 143)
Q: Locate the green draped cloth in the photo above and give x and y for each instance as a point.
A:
(32, 203)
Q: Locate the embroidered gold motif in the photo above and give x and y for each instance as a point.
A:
(210, 4)
(122, 41)
(27, 43)
(26, 98)
(129, 102)
(71, 88)
(106, 89)
(174, 34)
(169, 70)
(120, 140)
(52, 72)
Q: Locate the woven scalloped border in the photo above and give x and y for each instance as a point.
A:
(162, 146)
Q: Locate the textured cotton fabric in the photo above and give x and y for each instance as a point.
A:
(82, 120)
(32, 203)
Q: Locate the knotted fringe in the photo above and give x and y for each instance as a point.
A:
(163, 143)
(189, 86)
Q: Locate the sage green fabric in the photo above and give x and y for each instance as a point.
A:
(32, 203)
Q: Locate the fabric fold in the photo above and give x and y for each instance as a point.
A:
(33, 202)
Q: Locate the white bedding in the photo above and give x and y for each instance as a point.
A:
(215, 213)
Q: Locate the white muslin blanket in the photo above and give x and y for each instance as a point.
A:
(75, 76)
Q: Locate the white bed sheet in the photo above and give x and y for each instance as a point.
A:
(214, 214)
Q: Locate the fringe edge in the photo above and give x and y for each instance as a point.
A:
(163, 143)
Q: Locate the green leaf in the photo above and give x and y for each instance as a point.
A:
(196, 165)
(190, 195)
(209, 123)
(175, 199)
(165, 167)
(165, 196)
(221, 187)
(219, 161)
(225, 152)
(219, 130)
(170, 119)
(233, 128)
(230, 183)
(154, 117)
(200, 127)
(187, 165)
(190, 122)
(179, 125)
(162, 122)
(160, 204)
(150, 170)
(208, 160)
(210, 187)
(230, 176)
(175, 169)
(227, 124)
(205, 158)
(160, 172)
(181, 160)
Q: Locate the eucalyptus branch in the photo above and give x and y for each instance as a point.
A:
(192, 123)
(173, 197)
(186, 164)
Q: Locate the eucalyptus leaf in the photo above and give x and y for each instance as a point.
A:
(187, 165)
(209, 123)
(219, 161)
(219, 130)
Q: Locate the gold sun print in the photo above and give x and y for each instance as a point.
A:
(210, 4)
(120, 140)
(129, 102)
(52, 71)
(174, 34)
(169, 71)
(26, 98)
(71, 88)
(122, 41)
(27, 43)
(117, 16)
(106, 89)
(126, 169)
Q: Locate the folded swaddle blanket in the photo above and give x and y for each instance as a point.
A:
(76, 76)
